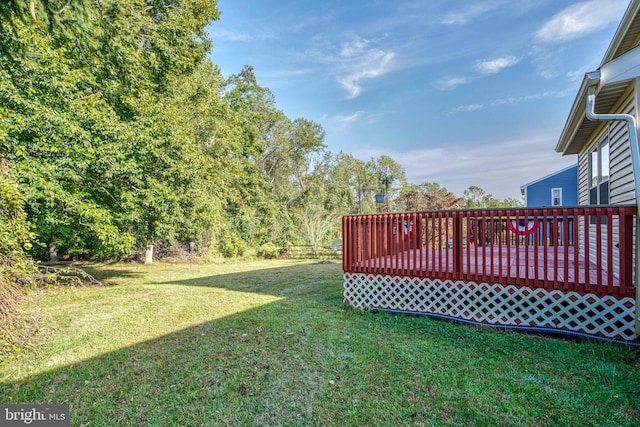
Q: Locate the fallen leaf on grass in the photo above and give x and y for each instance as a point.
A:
(242, 389)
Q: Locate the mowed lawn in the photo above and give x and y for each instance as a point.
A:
(271, 343)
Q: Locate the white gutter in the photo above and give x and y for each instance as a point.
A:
(632, 130)
(625, 67)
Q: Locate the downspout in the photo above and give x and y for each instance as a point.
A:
(635, 159)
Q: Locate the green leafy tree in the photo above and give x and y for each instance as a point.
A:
(99, 147)
(15, 233)
(390, 178)
(511, 202)
(51, 125)
(282, 154)
(254, 211)
(476, 198)
(428, 196)
(328, 195)
(364, 184)
(346, 192)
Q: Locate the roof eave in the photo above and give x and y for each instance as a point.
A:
(576, 115)
(622, 32)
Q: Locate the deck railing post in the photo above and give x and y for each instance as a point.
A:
(345, 239)
(457, 245)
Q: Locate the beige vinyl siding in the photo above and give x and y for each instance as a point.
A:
(583, 178)
(621, 187)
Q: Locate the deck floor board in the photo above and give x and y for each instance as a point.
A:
(515, 263)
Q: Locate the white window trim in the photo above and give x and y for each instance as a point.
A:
(553, 190)
(597, 148)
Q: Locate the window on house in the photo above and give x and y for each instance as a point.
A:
(556, 197)
(599, 174)
(593, 167)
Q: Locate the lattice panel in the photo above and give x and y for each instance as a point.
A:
(495, 304)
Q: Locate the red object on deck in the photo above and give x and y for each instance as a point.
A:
(522, 228)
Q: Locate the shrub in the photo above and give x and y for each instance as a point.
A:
(232, 245)
(17, 271)
(269, 251)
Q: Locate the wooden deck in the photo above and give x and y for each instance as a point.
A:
(564, 270)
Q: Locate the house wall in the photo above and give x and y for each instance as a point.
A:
(621, 183)
(621, 186)
(539, 193)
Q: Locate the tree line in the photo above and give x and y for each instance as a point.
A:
(118, 133)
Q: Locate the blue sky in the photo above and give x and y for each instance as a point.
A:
(459, 92)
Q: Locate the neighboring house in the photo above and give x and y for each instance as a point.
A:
(602, 131)
(557, 189)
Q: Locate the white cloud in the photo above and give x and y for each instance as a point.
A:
(581, 19)
(492, 66)
(577, 75)
(467, 108)
(512, 100)
(549, 62)
(341, 121)
(519, 99)
(231, 35)
(357, 62)
(352, 62)
(499, 167)
(470, 12)
(450, 83)
(353, 47)
(287, 74)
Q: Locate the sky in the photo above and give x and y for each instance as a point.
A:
(458, 92)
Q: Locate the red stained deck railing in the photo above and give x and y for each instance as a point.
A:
(588, 249)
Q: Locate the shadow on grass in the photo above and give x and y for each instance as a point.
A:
(111, 277)
(253, 359)
(307, 281)
(306, 359)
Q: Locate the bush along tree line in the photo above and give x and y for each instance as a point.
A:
(118, 134)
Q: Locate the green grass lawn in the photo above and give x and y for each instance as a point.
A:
(271, 343)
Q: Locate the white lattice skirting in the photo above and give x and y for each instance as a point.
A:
(496, 304)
